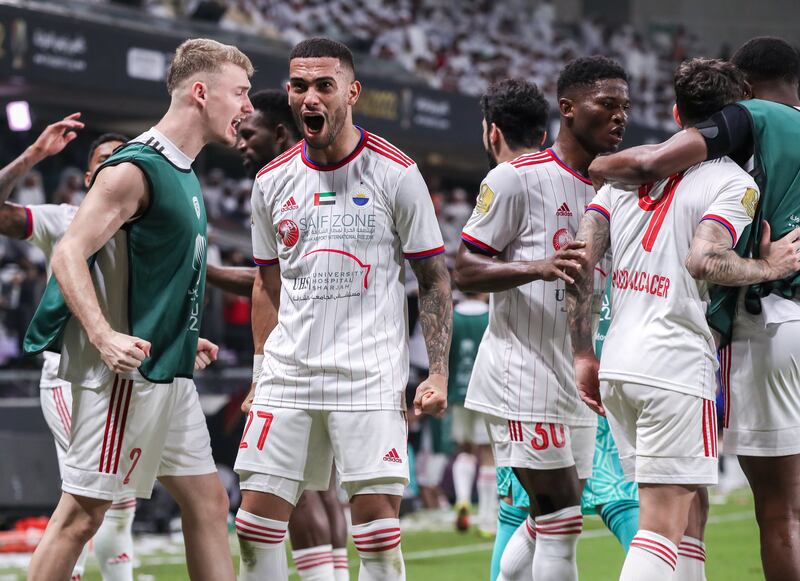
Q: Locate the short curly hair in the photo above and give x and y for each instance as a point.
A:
(588, 70)
(704, 86)
(519, 110)
(768, 58)
(320, 47)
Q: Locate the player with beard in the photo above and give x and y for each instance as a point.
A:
(759, 325)
(517, 245)
(333, 220)
(127, 307)
(318, 528)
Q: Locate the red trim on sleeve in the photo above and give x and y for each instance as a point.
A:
(478, 245)
(724, 222)
(424, 253)
(600, 210)
(265, 261)
(28, 223)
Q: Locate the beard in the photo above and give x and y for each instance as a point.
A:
(492, 160)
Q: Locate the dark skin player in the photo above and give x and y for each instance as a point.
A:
(772, 68)
(593, 119)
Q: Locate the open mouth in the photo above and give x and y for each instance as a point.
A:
(314, 122)
(618, 133)
(235, 124)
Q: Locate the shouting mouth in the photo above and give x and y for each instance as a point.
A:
(617, 133)
(314, 123)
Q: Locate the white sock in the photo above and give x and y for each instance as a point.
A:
(650, 558)
(80, 564)
(314, 563)
(487, 498)
(691, 560)
(341, 570)
(516, 564)
(378, 544)
(464, 468)
(113, 542)
(556, 540)
(261, 544)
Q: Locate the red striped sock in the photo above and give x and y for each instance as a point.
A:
(314, 563)
(378, 545)
(651, 556)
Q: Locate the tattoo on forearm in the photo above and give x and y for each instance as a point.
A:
(10, 175)
(716, 262)
(595, 231)
(435, 310)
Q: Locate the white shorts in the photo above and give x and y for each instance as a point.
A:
(57, 410)
(469, 426)
(127, 433)
(285, 451)
(541, 445)
(760, 374)
(663, 436)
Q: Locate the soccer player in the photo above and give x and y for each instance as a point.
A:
(657, 378)
(760, 369)
(43, 225)
(318, 527)
(470, 318)
(333, 219)
(131, 344)
(517, 245)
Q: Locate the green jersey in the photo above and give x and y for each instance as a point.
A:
(154, 284)
(470, 319)
(776, 158)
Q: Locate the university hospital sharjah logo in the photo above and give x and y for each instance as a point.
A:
(289, 232)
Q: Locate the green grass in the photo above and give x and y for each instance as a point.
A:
(731, 541)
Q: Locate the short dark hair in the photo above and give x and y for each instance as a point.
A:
(704, 86)
(273, 104)
(768, 58)
(588, 70)
(105, 138)
(320, 47)
(519, 109)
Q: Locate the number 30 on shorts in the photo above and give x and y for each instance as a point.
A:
(267, 417)
(544, 435)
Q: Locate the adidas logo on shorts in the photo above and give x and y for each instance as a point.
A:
(393, 456)
(289, 205)
(564, 210)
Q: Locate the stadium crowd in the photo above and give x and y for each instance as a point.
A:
(464, 46)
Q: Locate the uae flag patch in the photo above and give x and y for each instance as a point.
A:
(325, 198)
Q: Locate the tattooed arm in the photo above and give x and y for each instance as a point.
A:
(595, 232)
(711, 257)
(55, 137)
(436, 319)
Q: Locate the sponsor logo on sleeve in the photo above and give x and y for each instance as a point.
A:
(288, 232)
(485, 197)
(750, 201)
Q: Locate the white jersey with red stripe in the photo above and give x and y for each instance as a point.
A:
(46, 224)
(339, 235)
(526, 210)
(659, 335)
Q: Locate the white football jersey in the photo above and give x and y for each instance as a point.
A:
(659, 335)
(526, 210)
(339, 235)
(46, 224)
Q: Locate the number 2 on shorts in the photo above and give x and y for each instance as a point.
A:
(267, 417)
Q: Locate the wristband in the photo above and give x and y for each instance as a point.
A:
(258, 361)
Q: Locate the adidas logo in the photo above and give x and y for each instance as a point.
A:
(564, 210)
(122, 558)
(292, 205)
(393, 456)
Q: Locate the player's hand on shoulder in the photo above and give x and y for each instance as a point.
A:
(56, 136)
(431, 396)
(567, 264)
(783, 255)
(248, 400)
(587, 368)
(121, 353)
(206, 353)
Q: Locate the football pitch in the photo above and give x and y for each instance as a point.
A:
(443, 555)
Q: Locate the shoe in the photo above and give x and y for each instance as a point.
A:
(462, 518)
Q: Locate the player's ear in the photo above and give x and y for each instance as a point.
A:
(566, 107)
(543, 140)
(495, 134)
(353, 92)
(676, 115)
(87, 179)
(748, 91)
(199, 92)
